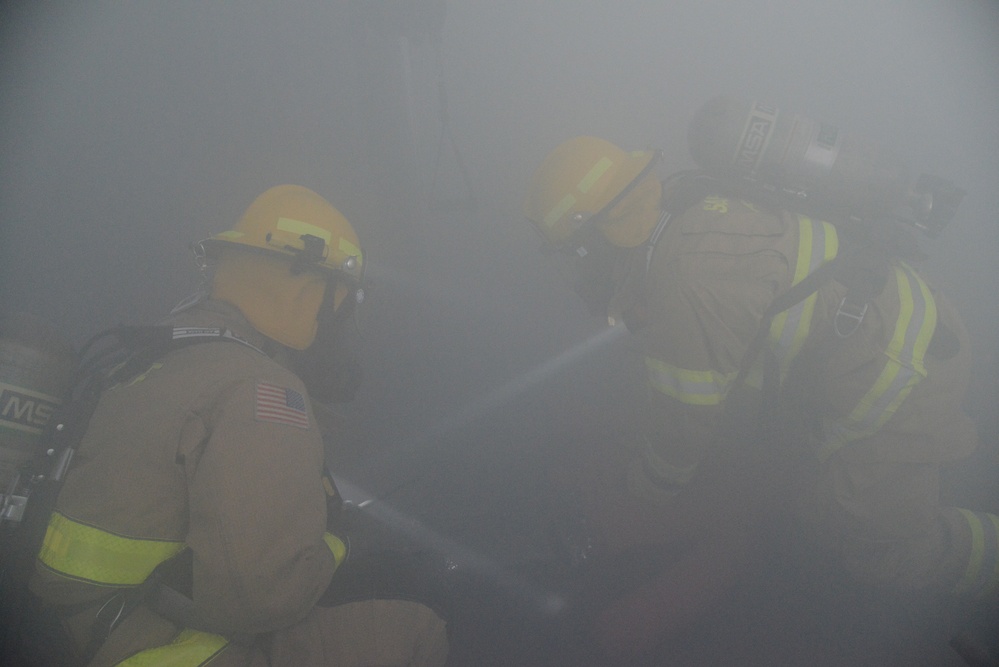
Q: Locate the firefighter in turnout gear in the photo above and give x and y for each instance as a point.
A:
(213, 454)
(838, 396)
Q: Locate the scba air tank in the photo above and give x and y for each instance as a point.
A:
(36, 367)
(800, 157)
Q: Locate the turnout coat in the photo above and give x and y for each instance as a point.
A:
(869, 398)
(213, 448)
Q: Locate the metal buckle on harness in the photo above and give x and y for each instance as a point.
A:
(111, 613)
(13, 508)
(849, 311)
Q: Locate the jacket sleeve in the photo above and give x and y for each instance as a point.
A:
(257, 507)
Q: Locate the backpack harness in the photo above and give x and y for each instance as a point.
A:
(861, 267)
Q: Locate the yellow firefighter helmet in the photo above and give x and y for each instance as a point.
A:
(294, 221)
(293, 244)
(590, 180)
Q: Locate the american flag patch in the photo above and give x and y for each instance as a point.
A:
(281, 405)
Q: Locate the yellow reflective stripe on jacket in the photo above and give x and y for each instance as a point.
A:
(981, 577)
(917, 319)
(687, 386)
(910, 343)
(338, 548)
(191, 648)
(80, 551)
(817, 244)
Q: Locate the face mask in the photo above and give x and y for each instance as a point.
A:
(330, 367)
(589, 264)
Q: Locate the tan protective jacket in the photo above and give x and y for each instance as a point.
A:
(214, 447)
(877, 409)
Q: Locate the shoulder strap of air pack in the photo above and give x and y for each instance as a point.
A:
(862, 265)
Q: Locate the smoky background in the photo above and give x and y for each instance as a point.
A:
(130, 130)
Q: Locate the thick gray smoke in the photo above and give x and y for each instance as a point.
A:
(129, 130)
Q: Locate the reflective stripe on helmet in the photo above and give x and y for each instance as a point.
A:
(981, 577)
(917, 319)
(299, 228)
(79, 551)
(191, 648)
(594, 174)
(292, 220)
(588, 180)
